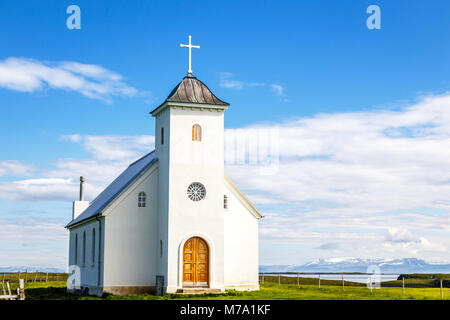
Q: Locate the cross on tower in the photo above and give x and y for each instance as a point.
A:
(190, 46)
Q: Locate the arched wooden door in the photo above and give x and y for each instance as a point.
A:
(195, 262)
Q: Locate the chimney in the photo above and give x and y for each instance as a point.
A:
(80, 205)
(81, 188)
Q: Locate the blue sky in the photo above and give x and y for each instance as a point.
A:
(311, 69)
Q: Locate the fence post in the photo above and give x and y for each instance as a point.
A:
(263, 278)
(46, 277)
(57, 277)
(9, 288)
(35, 276)
(298, 280)
(342, 282)
(3, 279)
(279, 278)
(26, 275)
(442, 291)
(18, 276)
(319, 280)
(403, 285)
(40, 276)
(21, 290)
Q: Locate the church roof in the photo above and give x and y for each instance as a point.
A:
(115, 188)
(192, 90)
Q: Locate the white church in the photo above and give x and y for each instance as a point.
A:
(172, 221)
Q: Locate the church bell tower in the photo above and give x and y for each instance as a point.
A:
(189, 147)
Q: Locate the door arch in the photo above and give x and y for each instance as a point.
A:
(196, 262)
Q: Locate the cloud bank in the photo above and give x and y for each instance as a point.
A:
(109, 155)
(347, 179)
(92, 81)
(372, 184)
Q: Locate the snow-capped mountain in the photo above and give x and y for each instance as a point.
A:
(30, 269)
(406, 265)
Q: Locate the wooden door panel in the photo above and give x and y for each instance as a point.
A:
(189, 262)
(202, 262)
(195, 262)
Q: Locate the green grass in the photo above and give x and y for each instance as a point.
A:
(269, 291)
(419, 280)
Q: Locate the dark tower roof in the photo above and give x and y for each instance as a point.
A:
(192, 90)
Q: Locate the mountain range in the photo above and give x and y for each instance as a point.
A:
(30, 269)
(405, 265)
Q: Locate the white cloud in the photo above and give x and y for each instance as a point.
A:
(42, 189)
(277, 89)
(349, 178)
(225, 81)
(398, 235)
(348, 159)
(15, 168)
(92, 81)
(114, 147)
(109, 155)
(232, 84)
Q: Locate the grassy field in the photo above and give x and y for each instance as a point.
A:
(411, 281)
(56, 290)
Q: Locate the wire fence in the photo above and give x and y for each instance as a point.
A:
(438, 284)
(14, 282)
(31, 277)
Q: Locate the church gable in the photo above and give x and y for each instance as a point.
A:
(140, 193)
(107, 196)
(243, 200)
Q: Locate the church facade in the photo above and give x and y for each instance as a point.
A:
(172, 219)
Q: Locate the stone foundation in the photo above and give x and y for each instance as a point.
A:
(122, 290)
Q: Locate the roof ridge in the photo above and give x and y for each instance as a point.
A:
(141, 158)
(193, 90)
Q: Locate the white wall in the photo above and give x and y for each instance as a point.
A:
(89, 269)
(241, 244)
(193, 161)
(162, 154)
(131, 235)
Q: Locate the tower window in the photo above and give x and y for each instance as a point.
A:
(141, 199)
(196, 132)
(225, 201)
(196, 191)
(162, 135)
